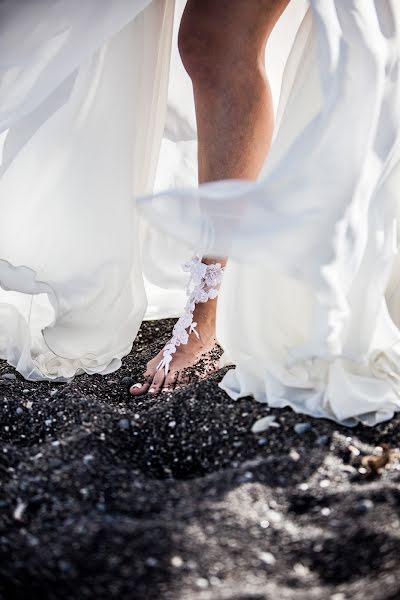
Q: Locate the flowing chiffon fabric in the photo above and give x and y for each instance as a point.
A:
(309, 309)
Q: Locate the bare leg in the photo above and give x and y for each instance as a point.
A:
(222, 46)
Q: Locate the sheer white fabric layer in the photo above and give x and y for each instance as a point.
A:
(309, 309)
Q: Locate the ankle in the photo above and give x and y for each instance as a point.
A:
(202, 288)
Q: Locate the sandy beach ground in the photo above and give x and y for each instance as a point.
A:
(174, 498)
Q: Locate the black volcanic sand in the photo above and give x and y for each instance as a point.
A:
(173, 498)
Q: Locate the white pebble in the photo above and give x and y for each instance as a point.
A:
(176, 561)
(301, 570)
(354, 451)
(19, 511)
(324, 483)
(267, 558)
(264, 423)
(274, 516)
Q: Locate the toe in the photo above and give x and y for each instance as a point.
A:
(142, 387)
(139, 389)
(170, 381)
(157, 383)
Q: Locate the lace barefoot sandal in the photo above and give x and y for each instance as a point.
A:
(203, 285)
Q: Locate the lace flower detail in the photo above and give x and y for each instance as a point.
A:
(203, 286)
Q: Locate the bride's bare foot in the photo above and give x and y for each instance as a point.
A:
(195, 360)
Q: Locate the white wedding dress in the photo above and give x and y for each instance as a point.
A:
(309, 309)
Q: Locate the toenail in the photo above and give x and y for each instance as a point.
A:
(152, 390)
(137, 386)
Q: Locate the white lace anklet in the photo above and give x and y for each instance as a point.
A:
(203, 285)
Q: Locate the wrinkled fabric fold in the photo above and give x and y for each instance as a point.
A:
(83, 95)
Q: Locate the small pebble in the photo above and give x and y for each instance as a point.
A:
(301, 570)
(151, 562)
(9, 376)
(19, 411)
(274, 516)
(127, 381)
(65, 566)
(348, 469)
(301, 428)
(322, 440)
(324, 483)
(354, 451)
(262, 441)
(267, 558)
(363, 506)
(176, 561)
(123, 424)
(32, 540)
(172, 424)
(264, 423)
(19, 511)
(53, 393)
